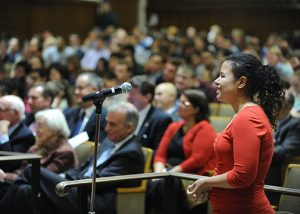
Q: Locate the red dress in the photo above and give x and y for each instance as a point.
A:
(244, 150)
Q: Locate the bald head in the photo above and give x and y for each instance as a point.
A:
(165, 95)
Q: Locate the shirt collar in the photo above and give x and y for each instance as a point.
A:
(88, 111)
(13, 128)
(117, 145)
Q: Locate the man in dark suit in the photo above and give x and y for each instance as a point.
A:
(40, 97)
(119, 154)
(286, 145)
(15, 136)
(83, 117)
(152, 121)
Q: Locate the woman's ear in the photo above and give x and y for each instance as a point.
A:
(196, 110)
(242, 82)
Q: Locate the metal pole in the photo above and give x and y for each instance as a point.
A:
(98, 104)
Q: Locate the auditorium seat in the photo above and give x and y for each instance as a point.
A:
(290, 203)
(84, 150)
(219, 122)
(132, 200)
(225, 110)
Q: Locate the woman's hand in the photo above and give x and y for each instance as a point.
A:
(159, 167)
(199, 190)
(176, 169)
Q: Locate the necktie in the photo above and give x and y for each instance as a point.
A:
(103, 157)
(78, 124)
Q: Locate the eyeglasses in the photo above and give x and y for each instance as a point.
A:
(185, 103)
(6, 110)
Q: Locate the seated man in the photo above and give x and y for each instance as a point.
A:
(83, 116)
(119, 154)
(286, 145)
(40, 97)
(15, 136)
(153, 122)
(165, 99)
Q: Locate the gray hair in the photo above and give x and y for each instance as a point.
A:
(93, 79)
(131, 112)
(16, 103)
(55, 120)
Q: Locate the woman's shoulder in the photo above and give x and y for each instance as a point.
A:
(250, 114)
(176, 124)
(203, 125)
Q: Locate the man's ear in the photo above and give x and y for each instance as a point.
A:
(242, 82)
(149, 97)
(130, 128)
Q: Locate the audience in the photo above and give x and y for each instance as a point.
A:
(126, 157)
(187, 146)
(152, 121)
(83, 116)
(40, 97)
(165, 98)
(15, 136)
(286, 146)
(185, 78)
(189, 59)
(52, 143)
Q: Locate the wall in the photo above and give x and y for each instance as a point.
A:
(27, 17)
(259, 17)
(23, 18)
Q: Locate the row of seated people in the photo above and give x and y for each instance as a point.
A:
(183, 154)
(119, 154)
(194, 109)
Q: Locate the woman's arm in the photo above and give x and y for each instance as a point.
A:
(203, 185)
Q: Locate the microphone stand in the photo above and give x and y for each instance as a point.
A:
(98, 100)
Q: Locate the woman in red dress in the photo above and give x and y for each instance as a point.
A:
(244, 149)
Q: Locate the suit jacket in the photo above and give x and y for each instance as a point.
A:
(128, 159)
(287, 139)
(19, 141)
(72, 117)
(29, 118)
(286, 146)
(153, 128)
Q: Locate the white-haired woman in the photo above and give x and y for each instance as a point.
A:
(52, 142)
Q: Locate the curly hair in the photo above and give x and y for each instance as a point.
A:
(264, 85)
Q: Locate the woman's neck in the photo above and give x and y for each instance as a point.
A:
(189, 123)
(242, 103)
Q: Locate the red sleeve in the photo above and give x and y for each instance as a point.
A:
(199, 150)
(161, 153)
(247, 129)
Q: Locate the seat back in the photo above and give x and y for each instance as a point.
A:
(131, 200)
(214, 109)
(84, 150)
(226, 110)
(219, 122)
(292, 180)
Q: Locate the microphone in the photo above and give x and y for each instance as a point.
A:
(124, 88)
